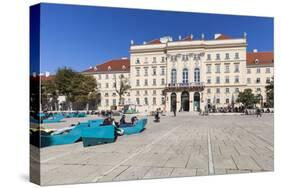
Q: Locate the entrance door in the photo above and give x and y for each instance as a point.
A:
(185, 101)
(173, 101)
(196, 101)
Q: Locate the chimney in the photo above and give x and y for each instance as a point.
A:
(217, 35)
(255, 50)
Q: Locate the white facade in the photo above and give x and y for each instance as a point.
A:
(187, 74)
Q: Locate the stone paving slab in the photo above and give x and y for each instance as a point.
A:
(175, 147)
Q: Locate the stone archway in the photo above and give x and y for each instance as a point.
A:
(184, 101)
(173, 101)
(196, 101)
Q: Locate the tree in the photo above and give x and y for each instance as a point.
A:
(49, 94)
(269, 89)
(247, 98)
(64, 83)
(121, 87)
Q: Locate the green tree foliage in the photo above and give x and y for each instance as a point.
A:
(77, 88)
(121, 87)
(270, 93)
(248, 98)
(49, 94)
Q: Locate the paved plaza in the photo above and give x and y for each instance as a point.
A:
(186, 145)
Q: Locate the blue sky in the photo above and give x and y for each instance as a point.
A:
(83, 36)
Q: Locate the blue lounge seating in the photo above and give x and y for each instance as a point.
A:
(55, 119)
(98, 135)
(72, 136)
(69, 137)
(134, 129)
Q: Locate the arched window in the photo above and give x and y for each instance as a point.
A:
(185, 76)
(197, 75)
(174, 76)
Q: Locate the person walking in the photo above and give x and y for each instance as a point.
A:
(175, 110)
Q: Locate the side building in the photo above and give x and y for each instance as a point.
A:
(108, 75)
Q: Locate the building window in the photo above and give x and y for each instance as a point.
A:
(137, 92)
(218, 67)
(236, 79)
(163, 59)
(185, 76)
(106, 76)
(209, 101)
(258, 89)
(185, 58)
(154, 100)
(218, 57)
(248, 80)
(145, 71)
(145, 92)
(227, 90)
(137, 82)
(236, 55)
(226, 68)
(227, 56)
(209, 68)
(106, 94)
(154, 60)
(114, 102)
(227, 79)
(209, 57)
(106, 102)
(154, 71)
(137, 72)
(154, 92)
(146, 101)
(267, 70)
(162, 71)
(248, 71)
(154, 82)
(106, 85)
(227, 101)
(258, 80)
(218, 101)
(267, 80)
(209, 81)
(197, 75)
(208, 90)
(258, 70)
(145, 82)
(137, 61)
(114, 84)
(174, 76)
(163, 100)
(218, 90)
(236, 90)
(162, 81)
(138, 101)
(145, 60)
(100, 76)
(236, 67)
(217, 80)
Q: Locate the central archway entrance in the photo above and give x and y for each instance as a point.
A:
(184, 101)
(173, 101)
(196, 101)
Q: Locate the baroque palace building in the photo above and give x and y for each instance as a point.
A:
(187, 74)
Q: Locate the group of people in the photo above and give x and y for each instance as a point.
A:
(109, 120)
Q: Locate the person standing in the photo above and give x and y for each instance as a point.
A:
(175, 110)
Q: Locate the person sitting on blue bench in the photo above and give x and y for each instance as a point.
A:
(110, 121)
